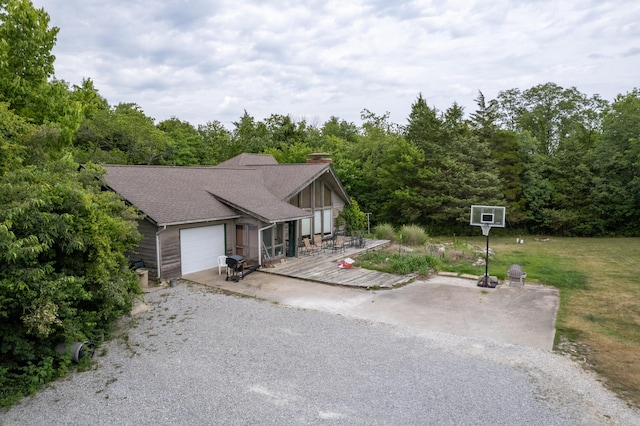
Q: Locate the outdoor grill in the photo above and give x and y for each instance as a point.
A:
(235, 267)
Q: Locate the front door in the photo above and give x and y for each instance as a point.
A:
(247, 241)
(292, 246)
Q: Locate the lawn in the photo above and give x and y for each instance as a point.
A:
(598, 320)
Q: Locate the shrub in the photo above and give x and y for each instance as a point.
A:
(64, 274)
(395, 263)
(384, 231)
(413, 235)
(352, 218)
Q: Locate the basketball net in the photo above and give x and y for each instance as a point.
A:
(485, 229)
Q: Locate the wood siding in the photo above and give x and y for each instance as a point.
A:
(147, 248)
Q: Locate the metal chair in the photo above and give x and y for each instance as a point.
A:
(317, 241)
(339, 243)
(309, 248)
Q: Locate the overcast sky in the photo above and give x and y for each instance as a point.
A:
(206, 60)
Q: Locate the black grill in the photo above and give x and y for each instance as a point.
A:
(235, 268)
(234, 261)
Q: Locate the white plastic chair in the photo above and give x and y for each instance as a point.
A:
(222, 261)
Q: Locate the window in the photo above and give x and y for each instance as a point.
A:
(326, 221)
(318, 193)
(316, 197)
(305, 227)
(305, 197)
(327, 197)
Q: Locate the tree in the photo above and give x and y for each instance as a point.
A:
(549, 113)
(217, 142)
(123, 134)
(249, 136)
(63, 274)
(295, 152)
(340, 128)
(506, 154)
(616, 163)
(26, 61)
(188, 148)
(457, 170)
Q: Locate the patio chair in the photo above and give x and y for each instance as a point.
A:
(516, 276)
(222, 261)
(308, 247)
(339, 243)
(317, 241)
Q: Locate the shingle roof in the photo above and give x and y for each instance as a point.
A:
(247, 159)
(170, 195)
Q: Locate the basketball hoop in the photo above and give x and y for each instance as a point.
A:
(487, 217)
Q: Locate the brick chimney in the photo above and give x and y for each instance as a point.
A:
(318, 157)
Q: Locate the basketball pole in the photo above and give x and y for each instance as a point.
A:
(485, 231)
(486, 264)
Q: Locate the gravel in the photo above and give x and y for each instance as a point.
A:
(199, 357)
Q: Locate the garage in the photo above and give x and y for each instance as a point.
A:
(200, 247)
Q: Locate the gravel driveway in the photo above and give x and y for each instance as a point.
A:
(199, 357)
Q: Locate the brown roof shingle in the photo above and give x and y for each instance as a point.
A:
(170, 195)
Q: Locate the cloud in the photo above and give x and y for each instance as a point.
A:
(203, 61)
(631, 52)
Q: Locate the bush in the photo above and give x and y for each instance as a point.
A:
(64, 274)
(403, 264)
(352, 218)
(413, 235)
(384, 231)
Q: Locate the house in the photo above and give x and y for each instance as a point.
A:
(249, 206)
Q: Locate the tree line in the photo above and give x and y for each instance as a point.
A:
(562, 162)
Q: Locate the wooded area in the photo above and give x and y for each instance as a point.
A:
(562, 163)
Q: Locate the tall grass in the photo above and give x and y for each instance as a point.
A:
(384, 231)
(413, 235)
(395, 263)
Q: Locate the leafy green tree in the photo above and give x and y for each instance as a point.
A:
(26, 61)
(26, 65)
(89, 98)
(352, 218)
(457, 169)
(123, 134)
(282, 131)
(616, 163)
(249, 136)
(295, 152)
(188, 148)
(340, 128)
(507, 154)
(550, 113)
(63, 274)
(217, 142)
(12, 131)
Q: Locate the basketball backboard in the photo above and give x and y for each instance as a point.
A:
(492, 216)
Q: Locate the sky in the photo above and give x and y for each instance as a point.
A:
(210, 60)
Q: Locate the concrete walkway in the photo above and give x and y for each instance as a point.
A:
(516, 315)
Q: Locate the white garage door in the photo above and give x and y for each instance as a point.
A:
(200, 247)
